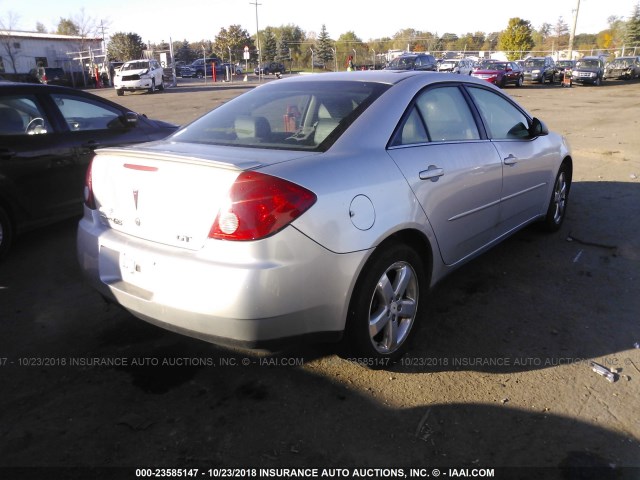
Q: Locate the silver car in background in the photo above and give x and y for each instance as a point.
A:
(318, 206)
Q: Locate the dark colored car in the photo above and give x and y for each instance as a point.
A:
(197, 68)
(562, 67)
(269, 68)
(48, 135)
(623, 68)
(588, 70)
(418, 61)
(499, 73)
(539, 69)
(50, 76)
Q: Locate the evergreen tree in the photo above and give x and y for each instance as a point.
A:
(517, 38)
(269, 45)
(324, 50)
(632, 37)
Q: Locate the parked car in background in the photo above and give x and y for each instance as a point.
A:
(499, 73)
(623, 68)
(539, 69)
(143, 74)
(413, 61)
(270, 68)
(201, 67)
(318, 205)
(588, 70)
(463, 66)
(50, 76)
(48, 135)
(562, 67)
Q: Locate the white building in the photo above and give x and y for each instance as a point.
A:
(22, 51)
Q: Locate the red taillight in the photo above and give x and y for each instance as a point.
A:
(45, 79)
(89, 200)
(260, 205)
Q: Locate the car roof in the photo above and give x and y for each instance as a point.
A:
(390, 77)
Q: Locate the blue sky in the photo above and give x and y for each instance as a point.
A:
(156, 20)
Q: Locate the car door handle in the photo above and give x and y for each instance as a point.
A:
(7, 153)
(510, 160)
(432, 173)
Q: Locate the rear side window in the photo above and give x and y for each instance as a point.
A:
(439, 115)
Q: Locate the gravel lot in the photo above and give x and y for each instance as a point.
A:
(499, 375)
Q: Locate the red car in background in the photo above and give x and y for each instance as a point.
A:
(499, 73)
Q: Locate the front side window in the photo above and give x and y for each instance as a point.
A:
(502, 118)
(83, 114)
(22, 115)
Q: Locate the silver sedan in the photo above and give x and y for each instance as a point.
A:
(321, 206)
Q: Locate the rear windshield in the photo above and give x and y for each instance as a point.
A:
(402, 63)
(537, 62)
(284, 115)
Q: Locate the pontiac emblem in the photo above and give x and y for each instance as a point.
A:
(135, 198)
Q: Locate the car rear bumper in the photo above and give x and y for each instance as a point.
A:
(239, 293)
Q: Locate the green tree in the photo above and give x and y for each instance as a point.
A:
(632, 36)
(231, 42)
(40, 28)
(66, 26)
(324, 47)
(125, 46)
(183, 52)
(349, 44)
(517, 38)
(269, 45)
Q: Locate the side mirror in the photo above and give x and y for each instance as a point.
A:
(130, 119)
(538, 128)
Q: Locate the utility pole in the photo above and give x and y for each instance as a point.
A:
(573, 30)
(258, 39)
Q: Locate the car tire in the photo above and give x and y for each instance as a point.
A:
(503, 82)
(597, 82)
(161, 87)
(119, 92)
(520, 82)
(557, 210)
(6, 232)
(153, 86)
(394, 278)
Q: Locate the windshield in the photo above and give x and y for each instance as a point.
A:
(622, 62)
(289, 116)
(588, 64)
(136, 66)
(538, 62)
(564, 63)
(493, 65)
(402, 63)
